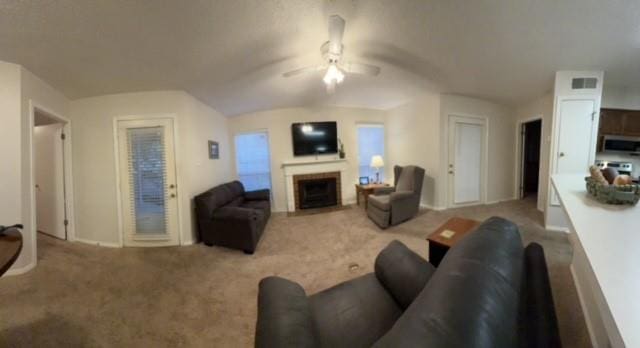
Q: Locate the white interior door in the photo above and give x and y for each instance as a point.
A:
(148, 187)
(576, 138)
(466, 160)
(49, 176)
(576, 129)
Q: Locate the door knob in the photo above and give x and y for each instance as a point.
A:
(173, 195)
(451, 172)
(561, 154)
(172, 186)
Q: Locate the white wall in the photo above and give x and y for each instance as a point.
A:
(617, 97)
(540, 107)
(11, 152)
(278, 125)
(501, 148)
(201, 173)
(94, 159)
(413, 133)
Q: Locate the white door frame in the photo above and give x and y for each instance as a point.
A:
(116, 151)
(68, 174)
(519, 161)
(484, 120)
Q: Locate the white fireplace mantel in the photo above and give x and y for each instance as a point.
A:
(292, 168)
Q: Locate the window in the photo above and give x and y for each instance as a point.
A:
(370, 143)
(253, 161)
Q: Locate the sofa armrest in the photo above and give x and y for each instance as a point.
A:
(235, 213)
(402, 272)
(258, 195)
(383, 191)
(284, 315)
(538, 321)
(401, 195)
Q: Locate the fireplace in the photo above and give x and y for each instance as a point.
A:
(317, 190)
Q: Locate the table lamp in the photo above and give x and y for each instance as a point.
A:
(377, 163)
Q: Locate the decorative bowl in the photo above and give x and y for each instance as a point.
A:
(611, 194)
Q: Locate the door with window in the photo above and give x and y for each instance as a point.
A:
(370, 143)
(148, 187)
(253, 160)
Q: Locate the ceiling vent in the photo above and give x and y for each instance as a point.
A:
(584, 83)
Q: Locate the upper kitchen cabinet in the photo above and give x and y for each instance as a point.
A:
(619, 122)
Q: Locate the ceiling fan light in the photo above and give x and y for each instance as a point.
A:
(333, 75)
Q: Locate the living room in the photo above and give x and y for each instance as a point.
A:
(224, 172)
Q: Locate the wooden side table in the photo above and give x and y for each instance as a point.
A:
(366, 190)
(441, 240)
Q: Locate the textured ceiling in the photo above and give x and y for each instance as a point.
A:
(231, 53)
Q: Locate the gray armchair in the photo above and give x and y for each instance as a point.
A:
(393, 205)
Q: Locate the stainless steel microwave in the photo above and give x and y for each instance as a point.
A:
(617, 143)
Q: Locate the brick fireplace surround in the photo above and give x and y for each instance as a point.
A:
(316, 176)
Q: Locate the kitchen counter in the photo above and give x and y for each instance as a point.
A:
(609, 237)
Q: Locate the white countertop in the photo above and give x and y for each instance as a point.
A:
(610, 237)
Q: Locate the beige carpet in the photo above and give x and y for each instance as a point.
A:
(86, 296)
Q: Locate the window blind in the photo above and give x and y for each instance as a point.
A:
(370, 143)
(253, 162)
(147, 174)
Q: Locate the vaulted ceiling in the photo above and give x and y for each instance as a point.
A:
(231, 53)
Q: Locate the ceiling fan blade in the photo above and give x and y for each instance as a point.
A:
(336, 30)
(364, 69)
(304, 70)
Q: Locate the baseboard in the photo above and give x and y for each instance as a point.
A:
(501, 200)
(188, 242)
(102, 244)
(21, 270)
(431, 207)
(349, 202)
(556, 228)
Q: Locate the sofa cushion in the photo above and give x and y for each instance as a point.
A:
(405, 182)
(236, 202)
(213, 199)
(472, 300)
(259, 205)
(380, 202)
(354, 313)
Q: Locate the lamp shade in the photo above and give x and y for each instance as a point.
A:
(377, 161)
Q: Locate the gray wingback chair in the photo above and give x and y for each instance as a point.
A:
(393, 205)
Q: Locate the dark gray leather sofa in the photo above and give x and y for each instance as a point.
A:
(488, 291)
(393, 205)
(231, 217)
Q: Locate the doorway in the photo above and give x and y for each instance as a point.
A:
(530, 140)
(49, 136)
(467, 155)
(147, 177)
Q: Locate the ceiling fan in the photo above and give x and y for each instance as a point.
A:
(335, 69)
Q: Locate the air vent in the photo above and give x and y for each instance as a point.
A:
(584, 83)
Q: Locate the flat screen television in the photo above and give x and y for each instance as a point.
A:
(314, 138)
